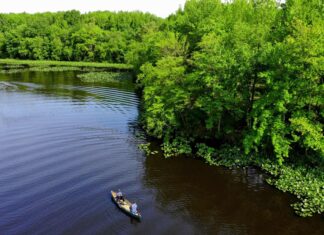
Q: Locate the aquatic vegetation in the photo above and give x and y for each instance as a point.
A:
(146, 149)
(66, 63)
(304, 182)
(176, 147)
(104, 77)
(11, 71)
(229, 156)
(53, 68)
(14, 66)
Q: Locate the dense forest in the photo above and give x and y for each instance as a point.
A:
(243, 78)
(71, 36)
(248, 73)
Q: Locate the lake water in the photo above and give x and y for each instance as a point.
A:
(65, 144)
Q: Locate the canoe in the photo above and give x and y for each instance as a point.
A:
(125, 206)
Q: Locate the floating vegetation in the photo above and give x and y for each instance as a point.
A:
(146, 149)
(11, 71)
(54, 68)
(14, 66)
(306, 183)
(104, 77)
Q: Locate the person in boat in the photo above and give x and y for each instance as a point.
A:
(134, 208)
(119, 196)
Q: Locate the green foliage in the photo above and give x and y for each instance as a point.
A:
(71, 36)
(307, 184)
(309, 134)
(163, 106)
(146, 149)
(229, 156)
(247, 73)
(207, 153)
(293, 89)
(153, 45)
(176, 147)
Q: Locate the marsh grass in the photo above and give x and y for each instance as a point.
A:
(124, 67)
(40, 69)
(53, 68)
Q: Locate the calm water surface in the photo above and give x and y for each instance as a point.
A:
(64, 145)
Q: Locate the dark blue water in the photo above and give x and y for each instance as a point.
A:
(65, 144)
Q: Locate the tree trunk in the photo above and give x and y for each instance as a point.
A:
(251, 101)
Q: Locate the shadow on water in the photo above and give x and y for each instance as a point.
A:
(224, 201)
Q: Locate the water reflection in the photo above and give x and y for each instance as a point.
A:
(223, 201)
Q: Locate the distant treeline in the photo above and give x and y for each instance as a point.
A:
(71, 36)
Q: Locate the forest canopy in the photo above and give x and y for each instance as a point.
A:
(71, 36)
(249, 74)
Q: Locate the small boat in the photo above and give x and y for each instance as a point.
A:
(125, 206)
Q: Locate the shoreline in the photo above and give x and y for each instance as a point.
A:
(124, 67)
